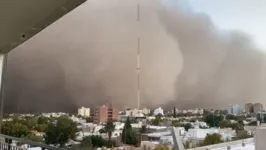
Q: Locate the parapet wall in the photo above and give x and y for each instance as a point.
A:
(246, 141)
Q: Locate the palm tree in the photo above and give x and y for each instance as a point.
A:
(109, 128)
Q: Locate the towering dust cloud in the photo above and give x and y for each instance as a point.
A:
(89, 57)
(219, 68)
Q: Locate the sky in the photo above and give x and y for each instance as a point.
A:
(245, 15)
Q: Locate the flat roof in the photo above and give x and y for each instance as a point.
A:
(249, 146)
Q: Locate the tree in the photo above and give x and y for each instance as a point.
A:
(212, 139)
(109, 128)
(236, 126)
(102, 131)
(96, 141)
(60, 131)
(129, 136)
(206, 112)
(187, 145)
(176, 123)
(230, 117)
(259, 118)
(143, 129)
(187, 126)
(223, 124)
(174, 112)
(264, 118)
(161, 147)
(240, 118)
(227, 124)
(213, 120)
(159, 116)
(157, 120)
(242, 134)
(41, 127)
(253, 123)
(241, 122)
(31, 122)
(86, 142)
(43, 120)
(224, 112)
(15, 129)
(35, 138)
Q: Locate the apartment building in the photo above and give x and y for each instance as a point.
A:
(105, 112)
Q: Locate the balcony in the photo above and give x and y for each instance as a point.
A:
(7, 143)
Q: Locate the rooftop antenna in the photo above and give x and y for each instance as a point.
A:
(138, 70)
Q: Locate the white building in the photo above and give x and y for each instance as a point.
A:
(192, 111)
(200, 134)
(146, 111)
(57, 114)
(234, 110)
(199, 124)
(137, 112)
(158, 111)
(85, 112)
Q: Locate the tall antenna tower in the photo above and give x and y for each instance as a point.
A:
(138, 70)
(138, 60)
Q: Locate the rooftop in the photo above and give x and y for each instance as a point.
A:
(249, 146)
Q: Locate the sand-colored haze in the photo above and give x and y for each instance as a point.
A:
(89, 57)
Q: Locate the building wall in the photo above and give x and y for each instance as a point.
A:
(115, 114)
(158, 111)
(249, 108)
(260, 135)
(258, 107)
(84, 112)
(104, 113)
(234, 110)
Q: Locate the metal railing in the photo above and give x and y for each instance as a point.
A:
(7, 144)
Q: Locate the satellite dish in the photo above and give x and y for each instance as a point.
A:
(22, 19)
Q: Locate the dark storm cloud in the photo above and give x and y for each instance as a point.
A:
(89, 57)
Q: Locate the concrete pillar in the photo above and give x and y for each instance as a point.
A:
(3, 67)
(260, 136)
(178, 144)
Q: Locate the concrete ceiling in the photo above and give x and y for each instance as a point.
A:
(22, 19)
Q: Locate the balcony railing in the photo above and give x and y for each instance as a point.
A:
(7, 143)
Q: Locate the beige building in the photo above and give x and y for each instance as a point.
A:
(258, 107)
(85, 112)
(253, 108)
(249, 108)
